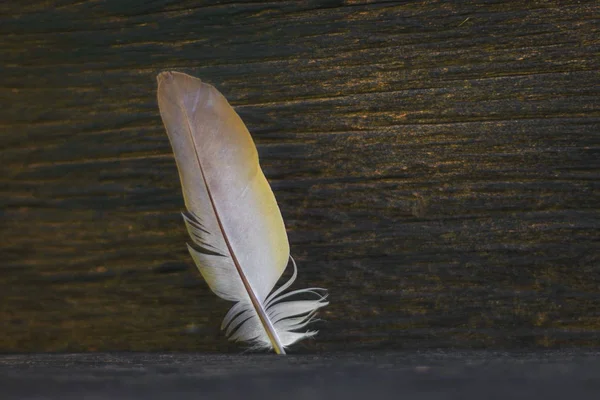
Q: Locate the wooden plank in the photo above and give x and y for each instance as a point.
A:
(436, 164)
(469, 375)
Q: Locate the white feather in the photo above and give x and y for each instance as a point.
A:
(239, 242)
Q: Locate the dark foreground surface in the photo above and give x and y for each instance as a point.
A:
(402, 375)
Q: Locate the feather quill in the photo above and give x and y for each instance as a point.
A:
(238, 238)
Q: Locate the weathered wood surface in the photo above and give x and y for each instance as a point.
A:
(431, 375)
(436, 164)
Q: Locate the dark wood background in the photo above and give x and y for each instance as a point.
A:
(436, 164)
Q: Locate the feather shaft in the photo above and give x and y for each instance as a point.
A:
(265, 321)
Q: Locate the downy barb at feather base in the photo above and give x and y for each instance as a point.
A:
(239, 242)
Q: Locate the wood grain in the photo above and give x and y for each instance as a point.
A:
(436, 164)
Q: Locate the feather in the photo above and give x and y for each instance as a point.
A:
(238, 238)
